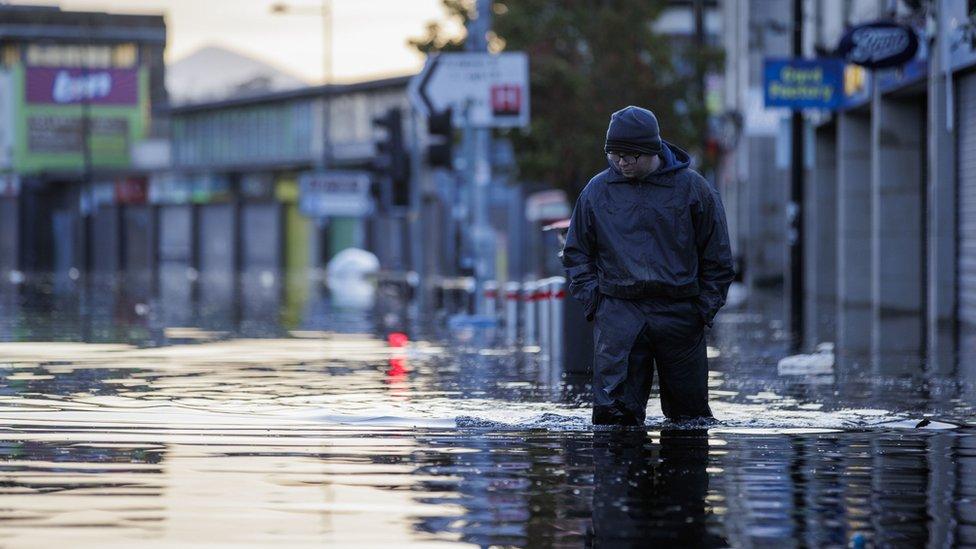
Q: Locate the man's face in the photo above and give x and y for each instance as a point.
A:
(632, 165)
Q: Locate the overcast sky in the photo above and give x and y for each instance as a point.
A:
(370, 35)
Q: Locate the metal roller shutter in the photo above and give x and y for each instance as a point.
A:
(967, 198)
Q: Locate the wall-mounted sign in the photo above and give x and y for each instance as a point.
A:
(64, 86)
(803, 83)
(132, 190)
(879, 45)
(209, 188)
(52, 127)
(257, 186)
(98, 56)
(66, 134)
(334, 194)
(96, 195)
(9, 185)
(7, 126)
(169, 188)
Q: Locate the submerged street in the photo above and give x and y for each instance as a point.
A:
(119, 427)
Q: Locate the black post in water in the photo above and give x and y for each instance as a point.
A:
(795, 214)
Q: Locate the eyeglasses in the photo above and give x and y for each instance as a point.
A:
(627, 158)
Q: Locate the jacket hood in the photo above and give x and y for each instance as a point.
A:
(673, 158)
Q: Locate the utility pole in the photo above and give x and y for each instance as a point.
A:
(479, 170)
(698, 9)
(795, 208)
(87, 162)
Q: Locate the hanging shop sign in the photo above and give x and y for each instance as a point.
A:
(334, 194)
(803, 83)
(879, 45)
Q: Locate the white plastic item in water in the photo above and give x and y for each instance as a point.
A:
(814, 364)
(350, 276)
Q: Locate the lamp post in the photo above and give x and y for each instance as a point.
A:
(325, 12)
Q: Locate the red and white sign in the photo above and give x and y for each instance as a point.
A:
(506, 100)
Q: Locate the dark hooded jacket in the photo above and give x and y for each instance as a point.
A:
(663, 236)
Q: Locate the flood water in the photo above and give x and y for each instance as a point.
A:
(169, 423)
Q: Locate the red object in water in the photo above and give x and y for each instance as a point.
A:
(398, 367)
(397, 339)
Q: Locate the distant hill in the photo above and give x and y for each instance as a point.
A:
(214, 73)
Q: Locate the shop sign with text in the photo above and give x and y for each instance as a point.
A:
(62, 86)
(803, 83)
(335, 193)
(879, 45)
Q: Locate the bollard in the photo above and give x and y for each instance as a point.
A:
(528, 314)
(467, 287)
(512, 290)
(542, 296)
(557, 289)
(491, 297)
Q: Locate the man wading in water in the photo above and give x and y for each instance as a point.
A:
(648, 255)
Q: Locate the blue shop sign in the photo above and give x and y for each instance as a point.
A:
(335, 193)
(803, 83)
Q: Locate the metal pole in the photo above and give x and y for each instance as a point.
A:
(557, 289)
(326, 42)
(326, 81)
(698, 8)
(512, 290)
(481, 234)
(795, 213)
(528, 313)
(415, 217)
(87, 163)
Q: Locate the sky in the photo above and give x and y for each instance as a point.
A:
(370, 36)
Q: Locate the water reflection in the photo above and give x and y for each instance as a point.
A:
(284, 420)
(646, 493)
(138, 307)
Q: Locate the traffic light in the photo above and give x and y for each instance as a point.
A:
(440, 151)
(391, 158)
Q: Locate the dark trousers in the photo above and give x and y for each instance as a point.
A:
(631, 337)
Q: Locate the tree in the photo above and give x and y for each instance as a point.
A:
(587, 59)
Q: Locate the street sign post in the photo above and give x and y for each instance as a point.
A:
(484, 90)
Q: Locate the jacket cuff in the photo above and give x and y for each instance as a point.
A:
(591, 306)
(704, 312)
